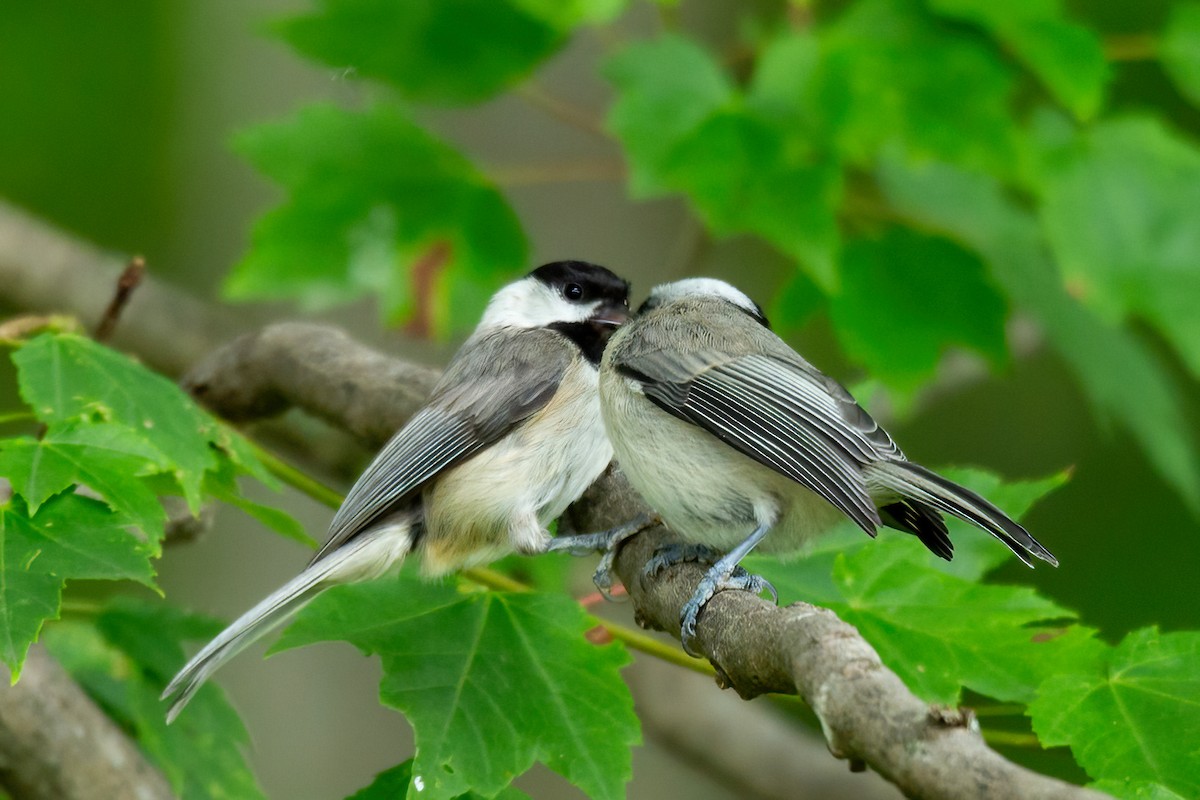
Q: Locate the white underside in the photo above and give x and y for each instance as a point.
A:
(706, 491)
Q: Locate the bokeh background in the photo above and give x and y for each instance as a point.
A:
(115, 125)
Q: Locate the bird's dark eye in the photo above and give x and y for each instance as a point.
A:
(573, 291)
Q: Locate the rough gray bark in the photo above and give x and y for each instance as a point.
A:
(56, 744)
(316, 368)
(867, 714)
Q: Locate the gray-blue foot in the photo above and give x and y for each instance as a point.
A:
(606, 542)
(716, 580)
(679, 553)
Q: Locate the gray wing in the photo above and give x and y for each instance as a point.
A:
(778, 410)
(495, 382)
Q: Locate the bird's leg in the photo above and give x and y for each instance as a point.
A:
(722, 575)
(606, 542)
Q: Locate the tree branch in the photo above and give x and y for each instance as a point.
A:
(316, 368)
(56, 744)
(867, 714)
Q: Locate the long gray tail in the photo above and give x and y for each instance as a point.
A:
(367, 556)
(925, 486)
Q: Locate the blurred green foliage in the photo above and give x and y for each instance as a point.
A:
(928, 170)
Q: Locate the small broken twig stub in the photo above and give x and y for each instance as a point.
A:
(131, 276)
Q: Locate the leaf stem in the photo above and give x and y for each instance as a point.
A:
(1010, 738)
(653, 647)
(637, 640)
(295, 478)
(80, 608)
(488, 578)
(999, 710)
(18, 416)
(570, 172)
(560, 109)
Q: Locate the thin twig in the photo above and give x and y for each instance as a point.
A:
(130, 278)
(560, 110)
(569, 172)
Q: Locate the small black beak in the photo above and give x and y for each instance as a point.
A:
(611, 315)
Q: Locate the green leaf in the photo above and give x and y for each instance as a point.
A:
(890, 74)
(794, 304)
(108, 459)
(441, 50)
(65, 378)
(937, 631)
(1067, 57)
(1136, 790)
(393, 783)
(781, 86)
(1131, 715)
(372, 197)
(222, 485)
(490, 682)
(279, 521)
(940, 633)
(125, 660)
(1118, 212)
(1120, 378)
(743, 177)
(666, 89)
(1180, 49)
(72, 536)
(685, 129)
(933, 623)
(69, 537)
(27, 599)
(885, 279)
(242, 455)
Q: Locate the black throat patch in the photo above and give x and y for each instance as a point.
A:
(589, 336)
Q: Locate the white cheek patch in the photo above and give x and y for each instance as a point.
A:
(529, 303)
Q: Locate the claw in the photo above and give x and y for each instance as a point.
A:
(606, 542)
(716, 580)
(678, 553)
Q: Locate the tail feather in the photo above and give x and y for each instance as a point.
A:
(923, 522)
(917, 483)
(362, 558)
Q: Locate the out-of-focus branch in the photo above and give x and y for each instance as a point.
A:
(56, 744)
(868, 716)
(44, 269)
(749, 747)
